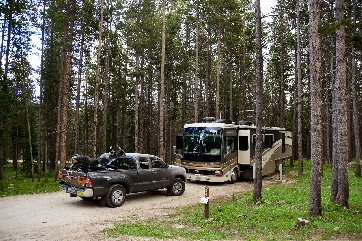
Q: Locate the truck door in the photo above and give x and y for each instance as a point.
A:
(161, 173)
(145, 174)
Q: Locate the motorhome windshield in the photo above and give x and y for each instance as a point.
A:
(202, 140)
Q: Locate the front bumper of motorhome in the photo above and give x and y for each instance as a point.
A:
(207, 178)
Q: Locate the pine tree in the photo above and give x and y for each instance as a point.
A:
(259, 105)
(315, 204)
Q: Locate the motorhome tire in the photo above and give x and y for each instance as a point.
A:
(234, 175)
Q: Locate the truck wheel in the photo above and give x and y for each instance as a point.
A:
(177, 188)
(234, 175)
(116, 196)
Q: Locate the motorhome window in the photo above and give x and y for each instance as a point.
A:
(229, 144)
(283, 143)
(243, 143)
(268, 141)
(202, 140)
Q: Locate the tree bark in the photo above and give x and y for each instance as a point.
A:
(196, 100)
(77, 101)
(356, 113)
(96, 87)
(64, 88)
(282, 78)
(340, 192)
(162, 84)
(40, 141)
(136, 104)
(315, 204)
(29, 133)
(231, 113)
(259, 105)
(106, 97)
(299, 98)
(217, 108)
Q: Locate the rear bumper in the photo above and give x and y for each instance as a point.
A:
(75, 191)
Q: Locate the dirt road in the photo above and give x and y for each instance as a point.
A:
(56, 216)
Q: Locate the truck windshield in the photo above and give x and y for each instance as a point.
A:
(202, 140)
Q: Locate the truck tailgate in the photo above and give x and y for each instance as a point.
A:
(73, 178)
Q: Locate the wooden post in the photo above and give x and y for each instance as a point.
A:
(207, 205)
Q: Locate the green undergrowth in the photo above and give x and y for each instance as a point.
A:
(20, 184)
(274, 218)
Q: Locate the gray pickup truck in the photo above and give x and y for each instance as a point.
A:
(110, 178)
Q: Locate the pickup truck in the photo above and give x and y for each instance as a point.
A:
(110, 177)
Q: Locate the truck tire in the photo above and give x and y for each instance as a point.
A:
(234, 175)
(116, 196)
(177, 188)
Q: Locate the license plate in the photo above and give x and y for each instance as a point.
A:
(80, 193)
(198, 176)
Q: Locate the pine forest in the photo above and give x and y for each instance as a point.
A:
(131, 73)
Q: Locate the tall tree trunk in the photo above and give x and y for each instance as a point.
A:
(356, 113)
(217, 108)
(340, 192)
(259, 105)
(282, 78)
(86, 121)
(295, 116)
(96, 88)
(64, 87)
(328, 115)
(150, 123)
(208, 74)
(40, 141)
(315, 204)
(162, 84)
(168, 142)
(3, 27)
(196, 100)
(356, 119)
(242, 116)
(136, 104)
(184, 77)
(77, 101)
(141, 107)
(106, 97)
(231, 113)
(10, 21)
(299, 98)
(29, 133)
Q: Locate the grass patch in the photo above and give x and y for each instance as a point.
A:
(21, 184)
(274, 218)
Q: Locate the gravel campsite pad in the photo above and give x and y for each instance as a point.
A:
(56, 216)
